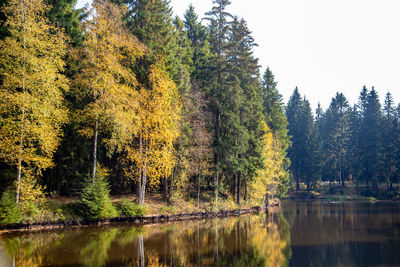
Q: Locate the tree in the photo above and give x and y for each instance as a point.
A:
(63, 14)
(293, 111)
(274, 115)
(270, 176)
(200, 158)
(158, 118)
(273, 108)
(198, 36)
(389, 140)
(371, 155)
(106, 80)
(242, 63)
(337, 136)
(31, 94)
(73, 154)
(219, 27)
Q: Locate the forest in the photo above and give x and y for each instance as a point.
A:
(360, 143)
(125, 98)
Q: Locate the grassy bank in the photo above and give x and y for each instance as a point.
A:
(69, 210)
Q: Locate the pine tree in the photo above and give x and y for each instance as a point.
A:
(354, 148)
(338, 136)
(198, 36)
(219, 26)
(242, 63)
(293, 113)
(72, 156)
(31, 93)
(389, 167)
(371, 154)
(64, 15)
(273, 107)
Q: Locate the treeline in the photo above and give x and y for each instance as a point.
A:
(129, 92)
(359, 143)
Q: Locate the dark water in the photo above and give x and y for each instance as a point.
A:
(301, 234)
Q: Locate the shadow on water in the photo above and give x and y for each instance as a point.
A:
(302, 234)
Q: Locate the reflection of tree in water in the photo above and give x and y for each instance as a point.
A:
(244, 241)
(29, 250)
(95, 253)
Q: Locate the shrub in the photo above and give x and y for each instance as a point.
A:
(130, 209)
(95, 200)
(9, 210)
(168, 209)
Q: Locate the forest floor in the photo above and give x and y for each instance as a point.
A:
(155, 205)
(155, 210)
(348, 192)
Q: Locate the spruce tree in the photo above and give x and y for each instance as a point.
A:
(337, 137)
(389, 141)
(293, 113)
(371, 154)
(220, 81)
(198, 36)
(273, 107)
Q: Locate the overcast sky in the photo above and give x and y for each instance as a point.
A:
(322, 46)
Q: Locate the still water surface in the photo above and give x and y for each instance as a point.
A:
(301, 234)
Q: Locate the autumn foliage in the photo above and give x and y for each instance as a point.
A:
(161, 104)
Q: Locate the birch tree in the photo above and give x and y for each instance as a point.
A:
(107, 80)
(32, 109)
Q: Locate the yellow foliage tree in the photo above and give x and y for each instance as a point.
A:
(268, 178)
(32, 109)
(150, 157)
(107, 79)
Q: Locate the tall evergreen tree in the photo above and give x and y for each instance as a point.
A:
(273, 107)
(220, 81)
(337, 137)
(243, 64)
(64, 15)
(295, 152)
(198, 36)
(389, 134)
(371, 154)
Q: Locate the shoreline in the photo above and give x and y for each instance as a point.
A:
(139, 220)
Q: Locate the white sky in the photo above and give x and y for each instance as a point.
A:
(322, 46)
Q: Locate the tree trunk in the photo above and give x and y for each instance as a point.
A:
(166, 190)
(198, 192)
(143, 188)
(23, 109)
(139, 179)
(95, 147)
(216, 189)
(238, 189)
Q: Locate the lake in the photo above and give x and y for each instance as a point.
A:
(300, 234)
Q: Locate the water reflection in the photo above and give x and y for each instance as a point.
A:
(344, 234)
(247, 241)
(303, 234)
